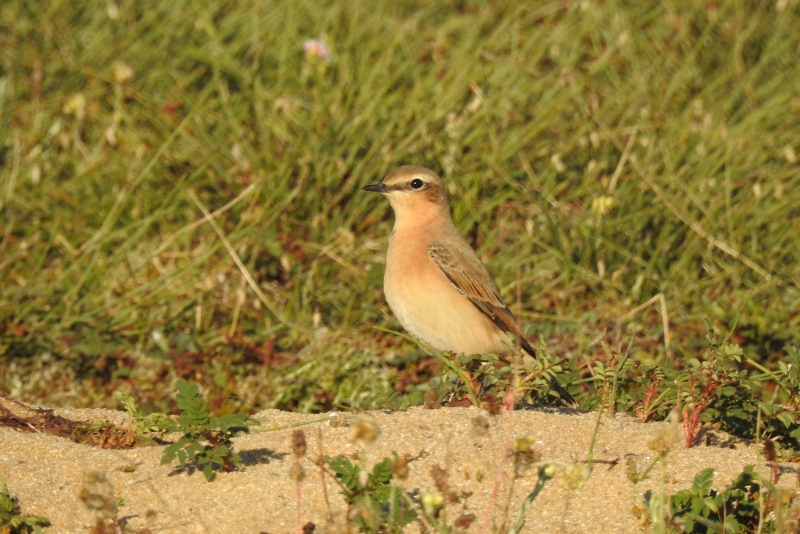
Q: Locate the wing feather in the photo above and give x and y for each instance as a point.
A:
(468, 275)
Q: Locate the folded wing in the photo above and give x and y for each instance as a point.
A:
(468, 275)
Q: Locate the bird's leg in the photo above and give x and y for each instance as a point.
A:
(508, 404)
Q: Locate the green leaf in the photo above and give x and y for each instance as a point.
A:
(709, 503)
(704, 480)
(6, 504)
(98, 425)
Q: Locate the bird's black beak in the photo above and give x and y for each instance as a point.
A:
(375, 188)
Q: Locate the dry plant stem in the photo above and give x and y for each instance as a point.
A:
(487, 514)
(327, 251)
(652, 464)
(295, 425)
(12, 180)
(664, 317)
(333, 477)
(589, 461)
(249, 189)
(695, 226)
(321, 464)
(235, 321)
(665, 504)
(298, 495)
(664, 198)
(609, 402)
(621, 165)
(132, 184)
(510, 402)
(507, 506)
(251, 282)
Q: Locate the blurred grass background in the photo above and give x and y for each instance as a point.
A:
(596, 153)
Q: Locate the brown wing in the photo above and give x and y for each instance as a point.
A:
(468, 275)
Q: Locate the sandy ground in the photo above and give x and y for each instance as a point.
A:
(45, 472)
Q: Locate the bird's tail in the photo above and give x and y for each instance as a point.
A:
(565, 396)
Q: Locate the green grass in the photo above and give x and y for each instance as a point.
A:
(109, 278)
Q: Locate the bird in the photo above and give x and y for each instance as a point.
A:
(434, 283)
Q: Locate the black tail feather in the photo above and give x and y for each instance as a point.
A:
(566, 398)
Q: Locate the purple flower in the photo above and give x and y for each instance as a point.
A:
(316, 49)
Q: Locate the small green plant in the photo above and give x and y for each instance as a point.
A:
(206, 440)
(478, 374)
(139, 422)
(11, 520)
(376, 504)
(735, 509)
(386, 504)
(709, 381)
(545, 473)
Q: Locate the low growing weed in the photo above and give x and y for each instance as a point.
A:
(139, 422)
(14, 522)
(737, 508)
(378, 500)
(720, 387)
(378, 503)
(206, 440)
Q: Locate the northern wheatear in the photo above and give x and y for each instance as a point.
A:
(434, 283)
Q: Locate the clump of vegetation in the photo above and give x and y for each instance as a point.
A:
(140, 423)
(206, 442)
(378, 501)
(740, 507)
(12, 521)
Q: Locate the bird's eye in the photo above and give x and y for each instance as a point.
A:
(416, 183)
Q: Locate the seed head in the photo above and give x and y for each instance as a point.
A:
(524, 454)
(432, 503)
(441, 478)
(630, 469)
(769, 450)
(491, 404)
(97, 494)
(299, 443)
(400, 467)
(523, 444)
(297, 472)
(666, 438)
(574, 477)
(364, 431)
(123, 73)
(548, 470)
(480, 426)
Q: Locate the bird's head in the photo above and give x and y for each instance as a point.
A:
(414, 192)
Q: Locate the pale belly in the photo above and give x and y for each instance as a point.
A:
(433, 311)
